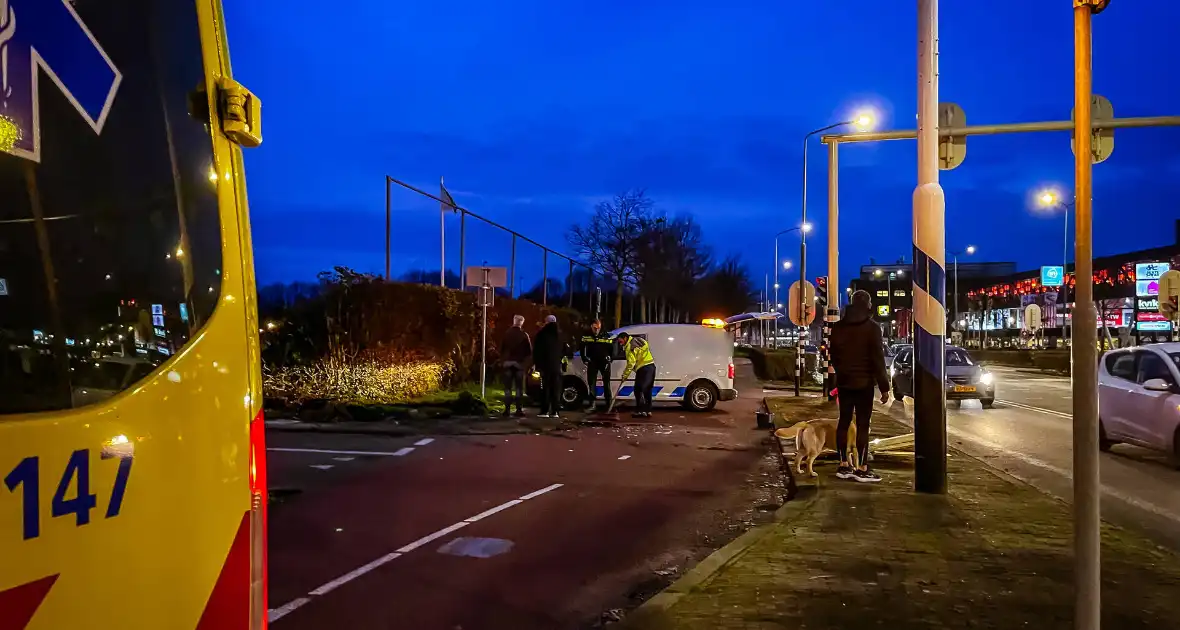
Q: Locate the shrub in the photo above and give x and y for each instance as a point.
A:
(779, 365)
(365, 378)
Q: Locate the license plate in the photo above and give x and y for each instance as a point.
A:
(964, 388)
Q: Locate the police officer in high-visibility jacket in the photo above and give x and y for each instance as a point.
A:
(643, 365)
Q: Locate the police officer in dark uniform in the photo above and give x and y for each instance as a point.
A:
(596, 349)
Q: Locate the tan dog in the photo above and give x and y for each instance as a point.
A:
(815, 437)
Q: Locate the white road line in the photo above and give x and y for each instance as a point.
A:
(403, 451)
(1003, 451)
(343, 459)
(282, 611)
(278, 613)
(398, 453)
(322, 466)
(624, 457)
(1051, 412)
(423, 442)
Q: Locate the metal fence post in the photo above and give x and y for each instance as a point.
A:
(462, 248)
(544, 277)
(569, 284)
(512, 270)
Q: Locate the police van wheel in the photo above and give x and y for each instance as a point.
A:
(701, 396)
(573, 395)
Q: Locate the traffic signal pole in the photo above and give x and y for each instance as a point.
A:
(1087, 559)
(929, 279)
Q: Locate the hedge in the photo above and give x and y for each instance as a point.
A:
(1048, 360)
(362, 338)
(779, 365)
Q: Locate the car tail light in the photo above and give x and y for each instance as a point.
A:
(731, 370)
(258, 501)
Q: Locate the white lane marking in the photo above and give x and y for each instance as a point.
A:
(332, 452)
(624, 457)
(1003, 451)
(1059, 414)
(274, 614)
(352, 575)
(431, 537)
(498, 508)
(343, 459)
(278, 613)
(403, 451)
(533, 495)
(322, 466)
(423, 442)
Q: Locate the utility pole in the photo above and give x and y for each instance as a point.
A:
(929, 271)
(1087, 559)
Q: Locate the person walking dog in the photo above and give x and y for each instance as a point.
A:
(858, 357)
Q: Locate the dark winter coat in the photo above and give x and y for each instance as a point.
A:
(857, 352)
(548, 349)
(516, 347)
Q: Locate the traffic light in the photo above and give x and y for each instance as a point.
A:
(821, 291)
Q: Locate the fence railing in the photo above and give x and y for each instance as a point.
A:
(446, 203)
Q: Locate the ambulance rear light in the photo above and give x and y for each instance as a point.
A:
(258, 501)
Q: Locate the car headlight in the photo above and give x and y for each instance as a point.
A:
(986, 378)
(891, 372)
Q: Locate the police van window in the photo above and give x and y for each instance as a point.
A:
(109, 235)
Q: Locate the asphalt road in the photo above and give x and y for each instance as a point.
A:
(512, 531)
(1029, 434)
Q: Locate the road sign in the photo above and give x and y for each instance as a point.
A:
(1052, 276)
(3, 286)
(495, 277)
(48, 35)
(952, 150)
(1169, 293)
(1032, 318)
(1101, 140)
(808, 305)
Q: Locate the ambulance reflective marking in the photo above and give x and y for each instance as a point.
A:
(48, 34)
(21, 602)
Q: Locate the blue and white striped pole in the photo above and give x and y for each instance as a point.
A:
(929, 271)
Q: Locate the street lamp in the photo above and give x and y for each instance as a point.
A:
(1051, 199)
(955, 256)
(802, 229)
(863, 121)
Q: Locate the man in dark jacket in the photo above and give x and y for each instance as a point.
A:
(516, 354)
(548, 352)
(858, 357)
(597, 348)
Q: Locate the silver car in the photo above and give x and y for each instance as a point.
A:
(965, 378)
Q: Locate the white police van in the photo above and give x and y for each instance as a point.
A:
(694, 367)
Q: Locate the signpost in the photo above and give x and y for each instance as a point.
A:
(489, 279)
(1052, 276)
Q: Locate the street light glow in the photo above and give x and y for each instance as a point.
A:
(1049, 198)
(878, 273)
(864, 120)
(806, 228)
(970, 249)
(786, 264)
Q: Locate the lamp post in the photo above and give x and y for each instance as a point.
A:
(1051, 199)
(863, 122)
(786, 264)
(955, 256)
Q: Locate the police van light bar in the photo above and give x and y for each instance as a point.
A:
(713, 322)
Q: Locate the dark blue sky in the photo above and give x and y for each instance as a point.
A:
(534, 110)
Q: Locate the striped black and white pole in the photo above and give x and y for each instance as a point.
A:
(929, 271)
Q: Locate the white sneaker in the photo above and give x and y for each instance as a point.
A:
(544, 415)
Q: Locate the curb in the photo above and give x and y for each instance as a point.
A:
(650, 614)
(397, 431)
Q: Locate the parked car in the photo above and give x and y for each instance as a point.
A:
(1139, 398)
(694, 367)
(966, 379)
(892, 350)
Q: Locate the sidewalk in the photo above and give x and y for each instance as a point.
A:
(993, 553)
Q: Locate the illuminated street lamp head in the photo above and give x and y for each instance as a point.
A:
(786, 264)
(970, 249)
(864, 121)
(1048, 198)
(900, 273)
(878, 273)
(776, 285)
(806, 227)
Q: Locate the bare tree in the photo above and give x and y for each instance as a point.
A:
(672, 257)
(610, 241)
(726, 290)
